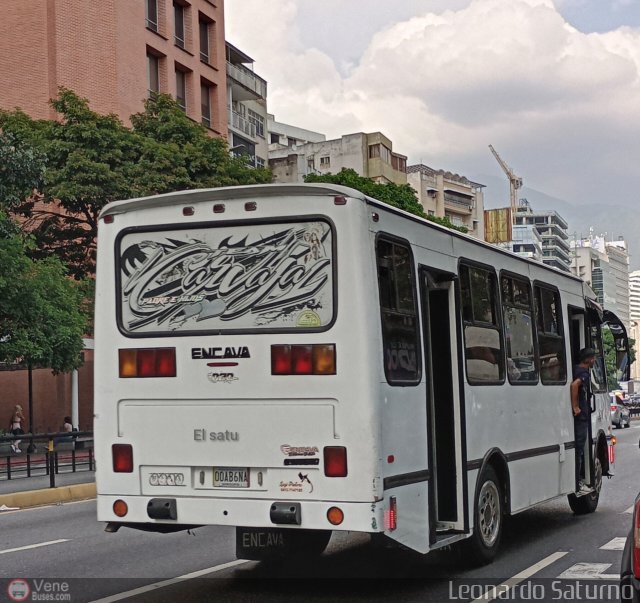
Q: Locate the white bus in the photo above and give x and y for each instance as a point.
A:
(298, 359)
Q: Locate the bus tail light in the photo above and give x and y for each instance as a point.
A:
(612, 454)
(335, 515)
(391, 515)
(122, 455)
(147, 362)
(335, 461)
(316, 359)
(120, 508)
(636, 540)
(614, 408)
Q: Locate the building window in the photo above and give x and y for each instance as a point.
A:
(153, 74)
(380, 151)
(399, 314)
(517, 311)
(260, 162)
(151, 9)
(181, 89)
(325, 162)
(484, 356)
(205, 95)
(204, 41)
(399, 163)
(311, 164)
(274, 138)
(178, 12)
(257, 120)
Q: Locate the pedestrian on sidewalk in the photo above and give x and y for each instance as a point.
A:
(16, 429)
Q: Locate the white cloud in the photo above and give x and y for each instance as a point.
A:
(560, 104)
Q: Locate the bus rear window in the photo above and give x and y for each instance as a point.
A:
(276, 276)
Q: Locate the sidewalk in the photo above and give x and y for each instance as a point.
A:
(35, 491)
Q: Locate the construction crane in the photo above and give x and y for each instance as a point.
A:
(515, 182)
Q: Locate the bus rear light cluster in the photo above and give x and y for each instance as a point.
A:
(316, 359)
(335, 461)
(636, 540)
(147, 362)
(122, 457)
(391, 515)
(120, 508)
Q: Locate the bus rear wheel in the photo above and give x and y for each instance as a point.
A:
(488, 515)
(583, 505)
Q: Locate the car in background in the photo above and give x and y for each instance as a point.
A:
(620, 413)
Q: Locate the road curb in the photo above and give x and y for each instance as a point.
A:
(48, 496)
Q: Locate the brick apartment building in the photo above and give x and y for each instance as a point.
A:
(114, 53)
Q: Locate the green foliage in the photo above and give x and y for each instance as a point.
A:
(94, 159)
(21, 169)
(402, 196)
(43, 315)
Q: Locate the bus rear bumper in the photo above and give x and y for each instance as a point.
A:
(310, 515)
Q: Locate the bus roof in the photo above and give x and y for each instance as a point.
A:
(310, 189)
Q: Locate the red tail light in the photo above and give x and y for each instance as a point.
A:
(636, 540)
(316, 359)
(301, 356)
(335, 461)
(280, 359)
(147, 362)
(391, 515)
(122, 455)
(613, 408)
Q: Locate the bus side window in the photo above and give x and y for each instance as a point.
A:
(517, 311)
(553, 363)
(484, 356)
(398, 308)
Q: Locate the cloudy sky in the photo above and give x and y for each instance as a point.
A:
(554, 85)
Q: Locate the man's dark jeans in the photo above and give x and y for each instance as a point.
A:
(581, 427)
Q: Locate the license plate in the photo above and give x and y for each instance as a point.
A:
(230, 477)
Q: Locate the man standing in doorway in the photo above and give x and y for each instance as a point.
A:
(580, 403)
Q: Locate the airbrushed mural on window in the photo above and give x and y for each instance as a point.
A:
(239, 277)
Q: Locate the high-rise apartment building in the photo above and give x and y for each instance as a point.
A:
(552, 228)
(115, 53)
(634, 295)
(447, 195)
(605, 267)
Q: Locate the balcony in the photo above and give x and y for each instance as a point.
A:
(250, 82)
(242, 124)
(458, 203)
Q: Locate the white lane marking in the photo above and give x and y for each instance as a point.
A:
(629, 510)
(34, 546)
(616, 544)
(501, 589)
(164, 583)
(588, 571)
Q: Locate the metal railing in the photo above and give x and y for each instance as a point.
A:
(46, 454)
(242, 123)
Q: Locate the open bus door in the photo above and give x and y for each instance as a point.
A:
(447, 495)
(620, 345)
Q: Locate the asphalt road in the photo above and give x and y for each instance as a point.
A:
(547, 554)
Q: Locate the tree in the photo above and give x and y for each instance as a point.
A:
(94, 159)
(44, 314)
(21, 169)
(402, 196)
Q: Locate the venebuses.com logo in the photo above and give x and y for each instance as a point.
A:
(18, 590)
(38, 589)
